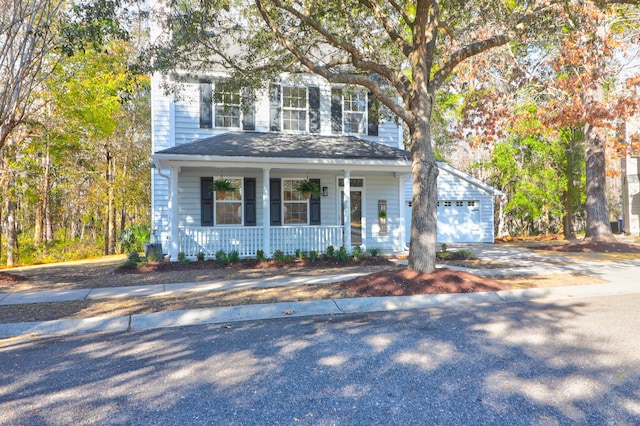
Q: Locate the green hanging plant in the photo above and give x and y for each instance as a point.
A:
(306, 188)
(222, 186)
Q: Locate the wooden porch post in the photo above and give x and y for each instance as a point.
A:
(266, 208)
(347, 210)
(174, 219)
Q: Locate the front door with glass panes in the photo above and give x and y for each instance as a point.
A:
(356, 208)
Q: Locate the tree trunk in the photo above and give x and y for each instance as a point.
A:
(422, 249)
(10, 230)
(568, 218)
(37, 230)
(598, 226)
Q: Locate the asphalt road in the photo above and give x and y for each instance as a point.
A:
(568, 362)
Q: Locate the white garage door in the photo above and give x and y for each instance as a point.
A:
(458, 221)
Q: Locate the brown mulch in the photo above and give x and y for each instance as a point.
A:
(405, 282)
(590, 247)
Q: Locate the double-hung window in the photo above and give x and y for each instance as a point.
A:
(227, 106)
(228, 205)
(222, 105)
(294, 108)
(354, 111)
(295, 206)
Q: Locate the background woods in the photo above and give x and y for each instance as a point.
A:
(76, 143)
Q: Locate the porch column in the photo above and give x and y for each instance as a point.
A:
(347, 210)
(174, 249)
(266, 213)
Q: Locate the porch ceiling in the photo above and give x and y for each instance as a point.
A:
(278, 150)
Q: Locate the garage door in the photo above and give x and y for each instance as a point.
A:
(458, 221)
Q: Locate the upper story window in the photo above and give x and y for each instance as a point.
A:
(222, 106)
(227, 106)
(354, 111)
(294, 108)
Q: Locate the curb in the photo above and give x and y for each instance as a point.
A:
(258, 312)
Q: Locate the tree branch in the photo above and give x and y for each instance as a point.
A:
(393, 34)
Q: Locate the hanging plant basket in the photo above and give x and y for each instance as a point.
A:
(222, 186)
(308, 188)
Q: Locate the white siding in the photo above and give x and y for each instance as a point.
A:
(455, 188)
(187, 115)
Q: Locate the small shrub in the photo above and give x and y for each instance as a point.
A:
(222, 258)
(300, 254)
(200, 256)
(330, 253)
(313, 255)
(130, 264)
(357, 253)
(185, 261)
(454, 255)
(134, 257)
(279, 256)
(155, 255)
(260, 256)
(234, 256)
(444, 247)
(181, 256)
(342, 255)
(374, 251)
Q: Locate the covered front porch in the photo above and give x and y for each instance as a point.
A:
(358, 180)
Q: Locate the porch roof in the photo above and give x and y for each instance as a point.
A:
(284, 150)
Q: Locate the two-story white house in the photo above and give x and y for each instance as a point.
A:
(295, 129)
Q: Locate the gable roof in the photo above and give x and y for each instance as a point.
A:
(478, 183)
(284, 145)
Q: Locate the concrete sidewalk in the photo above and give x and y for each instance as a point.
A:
(623, 277)
(298, 309)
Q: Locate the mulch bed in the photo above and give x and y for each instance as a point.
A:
(246, 264)
(405, 282)
(8, 279)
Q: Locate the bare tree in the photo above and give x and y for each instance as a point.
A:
(27, 34)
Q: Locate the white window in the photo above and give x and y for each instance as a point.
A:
(295, 206)
(354, 111)
(228, 206)
(227, 106)
(294, 108)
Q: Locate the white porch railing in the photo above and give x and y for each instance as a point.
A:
(247, 240)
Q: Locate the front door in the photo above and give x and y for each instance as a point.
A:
(356, 216)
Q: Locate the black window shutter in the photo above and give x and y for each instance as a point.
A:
(274, 107)
(372, 112)
(314, 206)
(206, 105)
(336, 110)
(248, 113)
(206, 201)
(249, 201)
(314, 109)
(275, 195)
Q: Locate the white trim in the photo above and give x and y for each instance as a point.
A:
(488, 188)
(164, 161)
